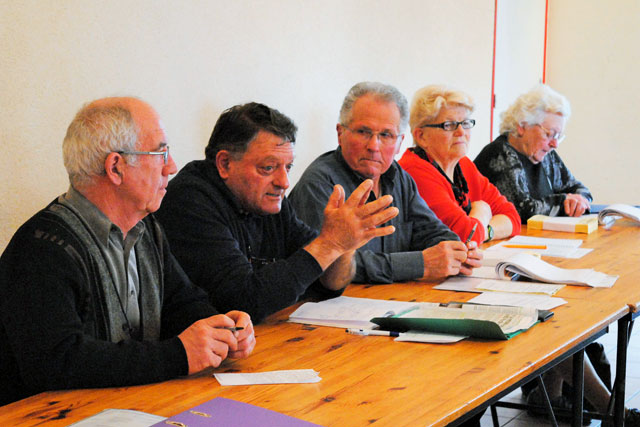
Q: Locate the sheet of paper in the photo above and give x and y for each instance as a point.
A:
(561, 248)
(540, 302)
(295, 376)
(118, 418)
(476, 284)
(515, 286)
(430, 337)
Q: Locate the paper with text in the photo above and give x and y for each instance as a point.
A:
(295, 376)
(541, 302)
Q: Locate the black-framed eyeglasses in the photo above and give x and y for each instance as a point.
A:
(452, 125)
(164, 154)
(558, 136)
(365, 134)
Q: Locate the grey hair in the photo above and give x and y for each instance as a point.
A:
(428, 101)
(531, 108)
(382, 91)
(95, 132)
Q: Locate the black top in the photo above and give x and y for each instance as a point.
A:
(245, 261)
(533, 188)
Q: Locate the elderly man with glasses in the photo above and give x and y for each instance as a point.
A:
(90, 295)
(372, 119)
(522, 161)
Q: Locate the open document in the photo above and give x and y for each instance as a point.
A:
(479, 321)
(611, 213)
(534, 268)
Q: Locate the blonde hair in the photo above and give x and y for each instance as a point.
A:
(531, 108)
(428, 101)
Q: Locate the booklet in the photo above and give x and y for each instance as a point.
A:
(534, 268)
(611, 213)
(479, 321)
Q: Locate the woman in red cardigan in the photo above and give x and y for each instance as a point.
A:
(447, 180)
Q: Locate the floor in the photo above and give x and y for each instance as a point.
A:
(517, 418)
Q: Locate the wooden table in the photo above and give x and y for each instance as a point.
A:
(374, 380)
(617, 252)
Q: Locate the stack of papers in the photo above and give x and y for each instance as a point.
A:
(529, 266)
(579, 224)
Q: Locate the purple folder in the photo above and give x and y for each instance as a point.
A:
(221, 412)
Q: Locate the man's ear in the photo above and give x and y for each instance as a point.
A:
(223, 160)
(520, 130)
(113, 166)
(340, 130)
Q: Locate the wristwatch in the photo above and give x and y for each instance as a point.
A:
(489, 233)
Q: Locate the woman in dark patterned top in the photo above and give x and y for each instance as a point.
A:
(522, 161)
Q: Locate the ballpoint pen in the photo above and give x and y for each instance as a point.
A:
(230, 328)
(473, 230)
(373, 332)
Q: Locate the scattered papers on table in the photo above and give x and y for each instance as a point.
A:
(118, 418)
(474, 284)
(349, 312)
(536, 269)
(429, 337)
(579, 224)
(561, 248)
(541, 302)
(610, 214)
(296, 376)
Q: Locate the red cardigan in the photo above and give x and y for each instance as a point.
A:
(436, 190)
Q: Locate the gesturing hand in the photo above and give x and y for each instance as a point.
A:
(350, 224)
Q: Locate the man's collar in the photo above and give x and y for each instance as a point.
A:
(96, 220)
(216, 179)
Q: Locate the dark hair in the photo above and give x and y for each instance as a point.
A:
(238, 126)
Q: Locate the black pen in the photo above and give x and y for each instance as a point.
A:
(230, 328)
(473, 230)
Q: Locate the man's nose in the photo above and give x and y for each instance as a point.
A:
(170, 168)
(281, 179)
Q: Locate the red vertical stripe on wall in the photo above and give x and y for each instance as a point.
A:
(493, 70)
(544, 53)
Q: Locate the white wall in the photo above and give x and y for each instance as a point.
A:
(519, 52)
(594, 60)
(192, 59)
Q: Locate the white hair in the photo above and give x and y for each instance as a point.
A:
(382, 91)
(532, 107)
(95, 132)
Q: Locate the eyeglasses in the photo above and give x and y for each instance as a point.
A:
(452, 125)
(365, 135)
(164, 154)
(558, 136)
